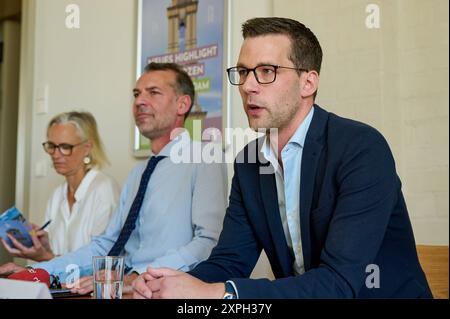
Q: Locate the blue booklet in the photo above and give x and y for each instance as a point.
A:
(12, 222)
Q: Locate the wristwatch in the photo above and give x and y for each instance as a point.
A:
(230, 292)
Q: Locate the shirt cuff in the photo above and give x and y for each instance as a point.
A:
(234, 287)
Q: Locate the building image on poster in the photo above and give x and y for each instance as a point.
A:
(190, 33)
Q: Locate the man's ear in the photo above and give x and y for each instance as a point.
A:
(184, 103)
(310, 84)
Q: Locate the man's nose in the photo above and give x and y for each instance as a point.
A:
(139, 102)
(140, 107)
(250, 84)
(139, 99)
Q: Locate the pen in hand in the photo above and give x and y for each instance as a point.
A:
(45, 225)
(33, 231)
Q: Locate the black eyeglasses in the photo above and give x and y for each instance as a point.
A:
(64, 148)
(264, 74)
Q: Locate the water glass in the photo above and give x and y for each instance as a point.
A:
(108, 277)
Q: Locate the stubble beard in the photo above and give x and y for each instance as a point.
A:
(271, 120)
(153, 130)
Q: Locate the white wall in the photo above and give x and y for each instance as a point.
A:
(91, 68)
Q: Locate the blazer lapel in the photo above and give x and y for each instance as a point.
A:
(272, 212)
(310, 159)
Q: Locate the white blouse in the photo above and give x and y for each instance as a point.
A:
(95, 200)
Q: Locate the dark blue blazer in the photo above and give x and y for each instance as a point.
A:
(356, 235)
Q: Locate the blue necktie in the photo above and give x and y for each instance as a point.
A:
(130, 223)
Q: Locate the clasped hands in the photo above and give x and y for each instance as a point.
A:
(166, 283)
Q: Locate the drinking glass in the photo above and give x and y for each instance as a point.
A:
(108, 276)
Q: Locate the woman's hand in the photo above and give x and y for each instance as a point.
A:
(40, 251)
(42, 235)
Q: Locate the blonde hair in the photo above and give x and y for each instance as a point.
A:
(86, 126)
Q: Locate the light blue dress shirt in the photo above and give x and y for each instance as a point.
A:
(288, 187)
(179, 222)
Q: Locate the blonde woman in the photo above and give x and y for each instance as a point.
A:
(81, 207)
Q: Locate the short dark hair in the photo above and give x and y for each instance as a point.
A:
(183, 83)
(306, 52)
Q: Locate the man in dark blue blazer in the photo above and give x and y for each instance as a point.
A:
(320, 194)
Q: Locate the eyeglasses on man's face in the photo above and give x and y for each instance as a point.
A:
(264, 74)
(64, 148)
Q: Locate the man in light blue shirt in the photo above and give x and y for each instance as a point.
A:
(182, 211)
